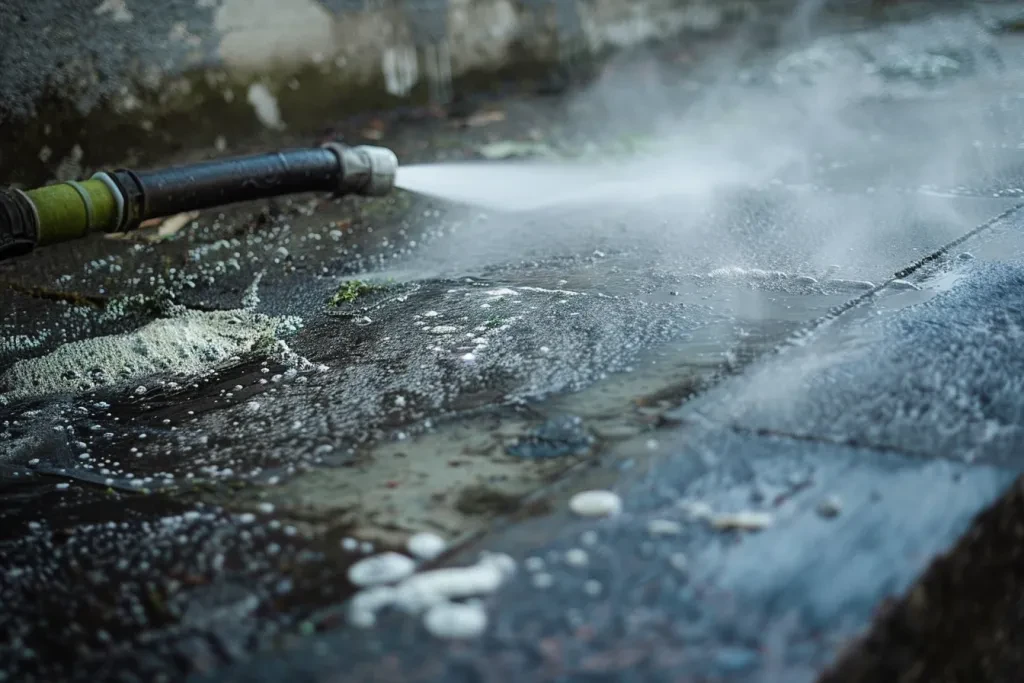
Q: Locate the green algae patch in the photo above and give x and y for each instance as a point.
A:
(351, 290)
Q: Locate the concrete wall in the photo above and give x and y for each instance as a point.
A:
(84, 82)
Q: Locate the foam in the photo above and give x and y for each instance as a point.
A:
(188, 344)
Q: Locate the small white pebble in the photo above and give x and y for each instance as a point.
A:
(350, 544)
(504, 563)
(543, 580)
(246, 518)
(362, 618)
(456, 621)
(678, 561)
(830, 507)
(592, 587)
(63, 485)
(664, 527)
(381, 569)
(443, 329)
(696, 509)
(596, 504)
(426, 545)
(745, 521)
(140, 390)
(576, 557)
(266, 508)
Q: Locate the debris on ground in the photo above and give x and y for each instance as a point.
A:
(831, 506)
(485, 117)
(165, 228)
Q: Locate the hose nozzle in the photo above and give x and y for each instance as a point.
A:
(121, 200)
(365, 169)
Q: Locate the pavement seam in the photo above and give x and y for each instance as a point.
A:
(815, 325)
(805, 333)
(824, 440)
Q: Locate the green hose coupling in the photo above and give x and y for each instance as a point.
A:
(71, 210)
(60, 212)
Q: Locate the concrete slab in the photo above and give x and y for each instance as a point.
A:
(263, 478)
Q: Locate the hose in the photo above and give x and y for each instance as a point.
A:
(120, 200)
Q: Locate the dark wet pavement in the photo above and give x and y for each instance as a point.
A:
(208, 528)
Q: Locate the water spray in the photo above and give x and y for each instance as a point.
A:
(121, 200)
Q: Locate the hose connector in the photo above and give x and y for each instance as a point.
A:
(365, 169)
(19, 224)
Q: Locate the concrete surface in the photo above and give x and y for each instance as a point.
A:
(817, 342)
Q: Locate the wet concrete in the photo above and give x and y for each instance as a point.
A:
(675, 597)
(924, 637)
(215, 513)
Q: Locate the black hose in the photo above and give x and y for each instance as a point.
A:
(214, 183)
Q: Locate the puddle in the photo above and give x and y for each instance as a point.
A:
(453, 482)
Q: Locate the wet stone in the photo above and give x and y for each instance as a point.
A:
(558, 437)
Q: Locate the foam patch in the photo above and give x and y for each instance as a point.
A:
(184, 345)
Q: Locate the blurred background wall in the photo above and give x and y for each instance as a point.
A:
(89, 82)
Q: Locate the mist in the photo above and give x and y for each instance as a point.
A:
(771, 159)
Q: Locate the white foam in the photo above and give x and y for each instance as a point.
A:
(265, 106)
(425, 545)
(381, 569)
(456, 622)
(189, 344)
(424, 591)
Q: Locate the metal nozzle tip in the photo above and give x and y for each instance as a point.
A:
(383, 169)
(365, 169)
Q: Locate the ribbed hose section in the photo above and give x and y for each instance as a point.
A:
(215, 183)
(19, 229)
